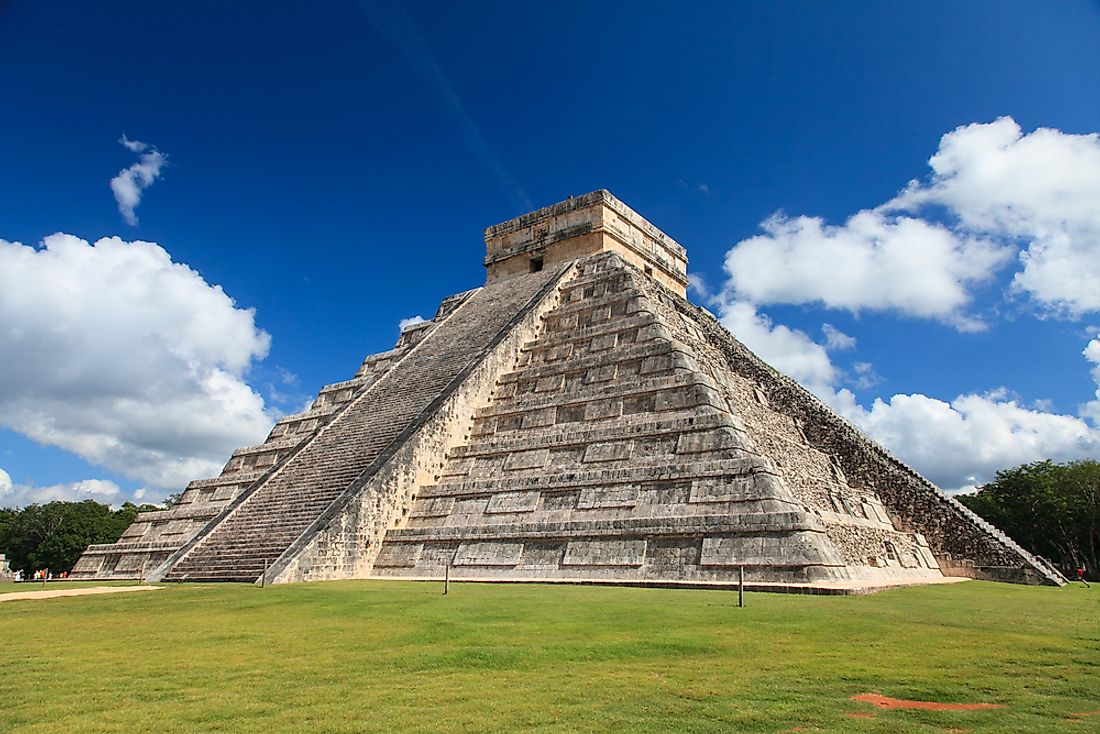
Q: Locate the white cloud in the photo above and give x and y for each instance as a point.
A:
(411, 321)
(100, 490)
(1005, 193)
(966, 441)
(873, 262)
(1092, 354)
(134, 145)
(836, 340)
(955, 444)
(286, 377)
(788, 350)
(866, 376)
(131, 182)
(117, 354)
(996, 194)
(1042, 188)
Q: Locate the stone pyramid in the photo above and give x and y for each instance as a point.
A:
(576, 419)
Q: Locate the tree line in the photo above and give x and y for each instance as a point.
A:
(54, 535)
(1051, 509)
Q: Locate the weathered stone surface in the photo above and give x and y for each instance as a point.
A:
(576, 418)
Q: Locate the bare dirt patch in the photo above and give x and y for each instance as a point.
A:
(885, 702)
(90, 591)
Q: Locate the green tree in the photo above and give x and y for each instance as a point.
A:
(54, 535)
(1051, 509)
(7, 517)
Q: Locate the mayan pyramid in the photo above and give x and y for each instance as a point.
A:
(575, 419)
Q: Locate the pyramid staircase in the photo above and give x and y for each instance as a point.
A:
(265, 521)
(155, 536)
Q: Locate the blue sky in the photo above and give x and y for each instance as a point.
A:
(330, 170)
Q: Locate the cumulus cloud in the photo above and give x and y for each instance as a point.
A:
(411, 321)
(125, 358)
(1039, 188)
(792, 351)
(130, 183)
(995, 195)
(865, 376)
(964, 442)
(837, 340)
(284, 394)
(1092, 354)
(100, 490)
(133, 145)
(873, 262)
(788, 350)
(957, 444)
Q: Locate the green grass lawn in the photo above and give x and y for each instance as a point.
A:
(394, 657)
(7, 587)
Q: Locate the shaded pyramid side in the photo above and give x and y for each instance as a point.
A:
(154, 536)
(279, 514)
(845, 477)
(613, 450)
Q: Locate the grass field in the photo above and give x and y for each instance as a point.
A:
(394, 657)
(6, 588)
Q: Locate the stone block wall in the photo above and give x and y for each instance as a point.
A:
(607, 454)
(582, 226)
(962, 543)
(346, 540)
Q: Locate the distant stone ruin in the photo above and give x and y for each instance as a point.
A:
(576, 419)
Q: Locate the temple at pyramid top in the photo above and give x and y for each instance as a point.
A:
(582, 226)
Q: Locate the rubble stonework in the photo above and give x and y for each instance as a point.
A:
(576, 419)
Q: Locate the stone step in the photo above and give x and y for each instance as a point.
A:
(631, 352)
(606, 278)
(573, 306)
(181, 511)
(641, 321)
(281, 443)
(318, 414)
(229, 576)
(639, 425)
(275, 513)
(225, 480)
(692, 525)
(707, 394)
(636, 473)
